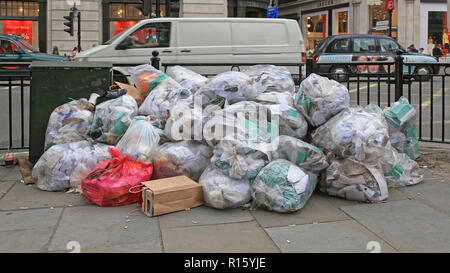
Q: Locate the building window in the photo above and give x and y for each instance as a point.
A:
(124, 11)
(377, 13)
(19, 9)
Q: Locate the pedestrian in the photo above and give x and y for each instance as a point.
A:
(55, 50)
(412, 49)
(437, 51)
(94, 45)
(74, 51)
(421, 50)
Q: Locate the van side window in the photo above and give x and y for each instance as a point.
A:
(151, 35)
(364, 45)
(339, 45)
(387, 45)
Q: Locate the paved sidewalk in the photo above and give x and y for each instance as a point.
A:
(413, 219)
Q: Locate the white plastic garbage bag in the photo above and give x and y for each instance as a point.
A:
(291, 117)
(237, 160)
(189, 158)
(353, 181)
(358, 133)
(320, 98)
(268, 78)
(140, 140)
(69, 122)
(283, 187)
(302, 154)
(232, 85)
(112, 119)
(400, 170)
(276, 98)
(162, 98)
(401, 118)
(187, 78)
(185, 122)
(145, 77)
(221, 191)
(63, 166)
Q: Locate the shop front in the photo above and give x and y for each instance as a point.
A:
(433, 24)
(20, 18)
(324, 18)
(378, 14)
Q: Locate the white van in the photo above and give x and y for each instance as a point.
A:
(203, 40)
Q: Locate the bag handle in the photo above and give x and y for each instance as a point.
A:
(140, 185)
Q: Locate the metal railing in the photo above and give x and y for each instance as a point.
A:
(14, 95)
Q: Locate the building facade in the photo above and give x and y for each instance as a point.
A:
(418, 22)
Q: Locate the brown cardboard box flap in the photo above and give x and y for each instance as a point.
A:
(175, 183)
(132, 91)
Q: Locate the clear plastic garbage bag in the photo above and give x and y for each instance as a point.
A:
(282, 186)
(320, 98)
(270, 78)
(140, 140)
(221, 191)
(185, 122)
(358, 133)
(400, 170)
(302, 154)
(291, 117)
(232, 85)
(187, 78)
(162, 98)
(69, 122)
(189, 158)
(63, 166)
(112, 119)
(401, 118)
(353, 181)
(276, 98)
(145, 77)
(238, 160)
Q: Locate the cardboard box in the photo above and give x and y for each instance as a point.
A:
(132, 91)
(168, 195)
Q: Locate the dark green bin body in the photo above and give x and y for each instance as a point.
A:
(52, 83)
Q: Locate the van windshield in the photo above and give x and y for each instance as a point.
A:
(110, 41)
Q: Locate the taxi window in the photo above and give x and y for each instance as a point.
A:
(340, 45)
(364, 45)
(387, 45)
(6, 47)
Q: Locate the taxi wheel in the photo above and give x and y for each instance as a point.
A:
(339, 73)
(422, 73)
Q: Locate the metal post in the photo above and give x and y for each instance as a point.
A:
(155, 59)
(390, 23)
(79, 31)
(309, 66)
(158, 8)
(398, 77)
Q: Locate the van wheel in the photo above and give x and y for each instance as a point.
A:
(422, 73)
(339, 73)
(119, 77)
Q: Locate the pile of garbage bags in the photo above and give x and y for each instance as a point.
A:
(247, 137)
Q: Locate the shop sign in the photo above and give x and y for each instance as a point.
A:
(272, 12)
(325, 3)
(23, 28)
(390, 4)
(382, 25)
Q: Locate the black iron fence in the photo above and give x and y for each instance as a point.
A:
(14, 109)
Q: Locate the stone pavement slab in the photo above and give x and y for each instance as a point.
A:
(436, 194)
(245, 237)
(338, 237)
(4, 187)
(95, 227)
(29, 196)
(317, 209)
(27, 230)
(203, 216)
(407, 225)
(13, 174)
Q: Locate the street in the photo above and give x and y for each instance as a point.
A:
(434, 114)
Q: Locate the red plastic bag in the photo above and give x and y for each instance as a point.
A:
(109, 183)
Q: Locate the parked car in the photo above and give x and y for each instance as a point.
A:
(202, 40)
(333, 54)
(15, 51)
